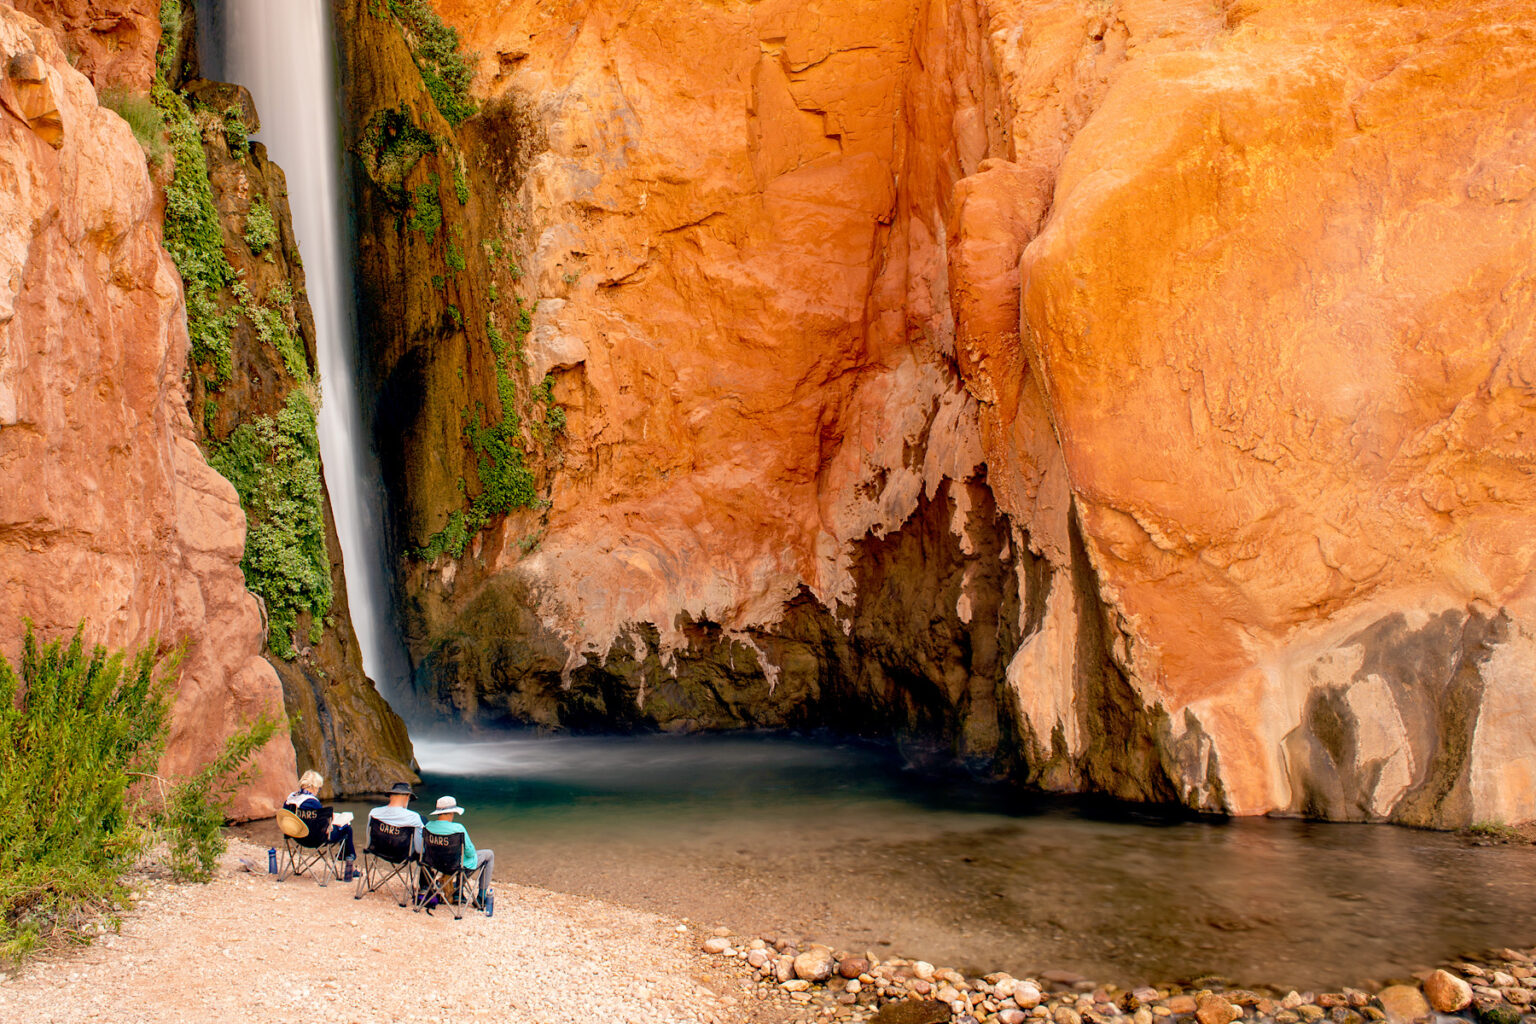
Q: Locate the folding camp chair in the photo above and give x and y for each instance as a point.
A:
(307, 842)
(388, 860)
(444, 878)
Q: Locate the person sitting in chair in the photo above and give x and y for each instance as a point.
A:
(477, 862)
(398, 810)
(307, 795)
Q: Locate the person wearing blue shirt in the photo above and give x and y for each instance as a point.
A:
(477, 862)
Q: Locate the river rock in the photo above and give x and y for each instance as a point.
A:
(757, 957)
(1403, 1003)
(795, 985)
(1012, 1015)
(1213, 1009)
(1517, 996)
(923, 969)
(815, 964)
(1142, 1015)
(1026, 995)
(853, 966)
(1498, 1013)
(913, 1011)
(716, 945)
(1502, 980)
(1066, 1015)
(1181, 1004)
(783, 969)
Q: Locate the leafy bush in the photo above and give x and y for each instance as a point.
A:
(192, 820)
(455, 257)
(276, 325)
(195, 239)
(73, 735)
(460, 186)
(260, 227)
(392, 143)
(236, 135)
(170, 40)
(146, 120)
(426, 208)
(76, 732)
(274, 463)
(445, 71)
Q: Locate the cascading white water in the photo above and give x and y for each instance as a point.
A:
(281, 51)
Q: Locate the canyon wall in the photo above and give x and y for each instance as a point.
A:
(130, 530)
(111, 516)
(1131, 396)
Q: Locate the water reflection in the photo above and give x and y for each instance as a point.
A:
(840, 843)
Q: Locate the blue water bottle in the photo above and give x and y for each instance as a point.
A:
(490, 904)
(271, 860)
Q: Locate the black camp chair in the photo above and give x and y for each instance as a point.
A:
(307, 842)
(388, 860)
(444, 878)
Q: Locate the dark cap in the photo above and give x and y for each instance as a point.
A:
(402, 787)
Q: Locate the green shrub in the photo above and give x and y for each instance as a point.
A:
(236, 135)
(276, 325)
(426, 208)
(78, 730)
(192, 820)
(73, 735)
(260, 227)
(392, 143)
(170, 38)
(274, 463)
(143, 117)
(445, 71)
(195, 239)
(455, 258)
(460, 186)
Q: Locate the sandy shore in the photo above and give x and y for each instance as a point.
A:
(244, 948)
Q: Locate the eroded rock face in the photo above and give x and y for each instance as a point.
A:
(110, 515)
(111, 42)
(1228, 309)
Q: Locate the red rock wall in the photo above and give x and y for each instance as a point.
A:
(1230, 305)
(110, 515)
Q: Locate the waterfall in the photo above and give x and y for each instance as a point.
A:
(281, 51)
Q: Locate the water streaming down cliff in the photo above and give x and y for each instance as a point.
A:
(282, 51)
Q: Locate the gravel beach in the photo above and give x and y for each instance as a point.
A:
(245, 948)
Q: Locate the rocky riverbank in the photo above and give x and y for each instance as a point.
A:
(245, 945)
(822, 983)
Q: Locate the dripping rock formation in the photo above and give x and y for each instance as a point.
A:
(1130, 396)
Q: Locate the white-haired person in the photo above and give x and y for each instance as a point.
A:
(476, 862)
(308, 795)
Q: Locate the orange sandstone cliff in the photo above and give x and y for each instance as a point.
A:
(109, 514)
(1131, 395)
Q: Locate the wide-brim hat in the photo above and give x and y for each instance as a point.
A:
(401, 787)
(447, 805)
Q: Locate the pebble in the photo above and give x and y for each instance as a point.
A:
(1213, 1009)
(716, 945)
(815, 964)
(1403, 1003)
(923, 969)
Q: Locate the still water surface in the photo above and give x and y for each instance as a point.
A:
(840, 843)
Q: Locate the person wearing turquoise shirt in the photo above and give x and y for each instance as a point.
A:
(476, 862)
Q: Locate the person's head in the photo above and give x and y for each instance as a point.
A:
(400, 794)
(446, 808)
(311, 781)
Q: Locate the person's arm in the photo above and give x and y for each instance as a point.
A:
(471, 858)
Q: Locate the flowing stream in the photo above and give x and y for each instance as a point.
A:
(282, 51)
(839, 843)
